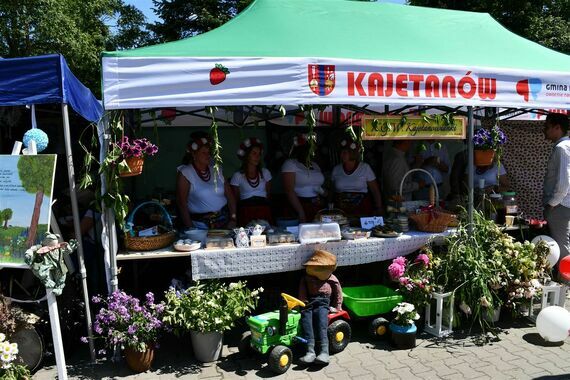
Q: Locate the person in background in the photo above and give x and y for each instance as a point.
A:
(556, 190)
(252, 183)
(204, 198)
(431, 156)
(354, 182)
(494, 178)
(303, 180)
(394, 167)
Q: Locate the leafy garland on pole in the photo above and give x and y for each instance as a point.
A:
(216, 150)
(111, 166)
(311, 121)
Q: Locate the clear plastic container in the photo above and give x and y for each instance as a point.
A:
(318, 232)
(280, 237)
(497, 209)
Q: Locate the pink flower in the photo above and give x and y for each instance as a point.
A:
(401, 260)
(423, 258)
(396, 270)
(404, 281)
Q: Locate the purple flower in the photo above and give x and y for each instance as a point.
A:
(423, 258)
(83, 339)
(396, 270)
(132, 329)
(149, 298)
(96, 299)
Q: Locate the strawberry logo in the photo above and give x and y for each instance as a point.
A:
(218, 74)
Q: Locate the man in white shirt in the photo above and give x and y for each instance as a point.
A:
(556, 191)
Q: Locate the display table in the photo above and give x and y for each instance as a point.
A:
(236, 262)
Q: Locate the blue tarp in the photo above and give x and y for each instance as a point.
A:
(45, 79)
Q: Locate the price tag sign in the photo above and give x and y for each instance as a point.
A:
(369, 223)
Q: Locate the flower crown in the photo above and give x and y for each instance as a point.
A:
(248, 143)
(348, 144)
(303, 138)
(198, 143)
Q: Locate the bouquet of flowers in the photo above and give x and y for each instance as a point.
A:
(136, 148)
(124, 321)
(413, 277)
(208, 307)
(9, 369)
(405, 314)
(489, 138)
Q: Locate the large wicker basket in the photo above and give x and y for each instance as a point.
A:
(149, 243)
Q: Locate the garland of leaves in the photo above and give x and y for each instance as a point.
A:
(113, 164)
(216, 149)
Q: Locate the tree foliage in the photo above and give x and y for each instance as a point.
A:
(544, 21)
(36, 173)
(185, 18)
(79, 29)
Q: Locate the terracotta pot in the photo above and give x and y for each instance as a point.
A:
(484, 157)
(139, 361)
(136, 166)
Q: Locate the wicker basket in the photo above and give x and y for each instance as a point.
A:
(433, 220)
(149, 243)
(135, 165)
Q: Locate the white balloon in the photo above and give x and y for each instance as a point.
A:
(553, 323)
(554, 254)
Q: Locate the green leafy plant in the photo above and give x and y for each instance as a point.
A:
(311, 120)
(414, 277)
(216, 149)
(483, 265)
(208, 307)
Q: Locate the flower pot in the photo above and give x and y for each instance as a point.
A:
(139, 361)
(135, 165)
(403, 337)
(207, 346)
(484, 157)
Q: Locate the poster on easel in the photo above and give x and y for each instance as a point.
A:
(26, 186)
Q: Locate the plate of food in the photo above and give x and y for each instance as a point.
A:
(355, 233)
(385, 232)
(187, 245)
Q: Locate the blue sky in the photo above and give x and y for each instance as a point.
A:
(146, 7)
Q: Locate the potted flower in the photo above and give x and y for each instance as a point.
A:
(486, 142)
(414, 277)
(10, 365)
(133, 153)
(206, 310)
(402, 327)
(130, 324)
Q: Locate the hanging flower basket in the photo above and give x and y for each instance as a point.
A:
(484, 157)
(135, 165)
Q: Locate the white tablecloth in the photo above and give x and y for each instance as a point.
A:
(235, 262)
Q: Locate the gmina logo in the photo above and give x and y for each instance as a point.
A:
(529, 86)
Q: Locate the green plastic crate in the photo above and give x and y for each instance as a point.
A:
(366, 301)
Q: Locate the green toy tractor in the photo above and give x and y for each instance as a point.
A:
(274, 333)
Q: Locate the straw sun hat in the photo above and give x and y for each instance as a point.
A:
(322, 258)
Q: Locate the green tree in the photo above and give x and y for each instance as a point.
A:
(36, 174)
(79, 29)
(544, 21)
(186, 18)
(6, 215)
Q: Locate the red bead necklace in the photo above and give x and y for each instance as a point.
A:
(253, 182)
(204, 175)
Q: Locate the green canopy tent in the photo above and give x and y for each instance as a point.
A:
(292, 52)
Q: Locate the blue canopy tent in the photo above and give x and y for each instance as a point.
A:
(46, 80)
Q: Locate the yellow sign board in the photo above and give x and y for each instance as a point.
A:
(427, 127)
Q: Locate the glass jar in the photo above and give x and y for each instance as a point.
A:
(497, 208)
(510, 203)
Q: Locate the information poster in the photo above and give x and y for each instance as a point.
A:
(26, 185)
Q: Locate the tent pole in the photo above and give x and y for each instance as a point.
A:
(470, 168)
(76, 225)
(110, 236)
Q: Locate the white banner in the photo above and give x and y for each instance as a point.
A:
(180, 81)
